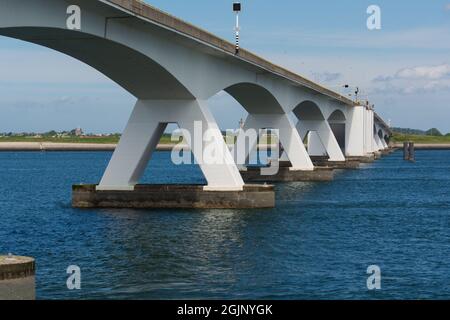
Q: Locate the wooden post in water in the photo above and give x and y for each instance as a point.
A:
(412, 152)
(406, 151)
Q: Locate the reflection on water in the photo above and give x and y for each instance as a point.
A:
(317, 242)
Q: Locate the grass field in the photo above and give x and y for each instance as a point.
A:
(397, 138)
(97, 140)
(421, 139)
(165, 139)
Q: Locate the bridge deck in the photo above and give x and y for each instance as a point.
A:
(143, 10)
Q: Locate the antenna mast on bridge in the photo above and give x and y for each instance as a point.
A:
(237, 8)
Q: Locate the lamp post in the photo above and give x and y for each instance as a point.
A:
(237, 8)
(356, 92)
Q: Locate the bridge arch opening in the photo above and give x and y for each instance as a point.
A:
(237, 106)
(255, 99)
(380, 134)
(233, 104)
(123, 65)
(309, 118)
(308, 111)
(58, 92)
(337, 122)
(377, 137)
(337, 116)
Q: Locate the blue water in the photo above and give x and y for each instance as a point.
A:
(316, 244)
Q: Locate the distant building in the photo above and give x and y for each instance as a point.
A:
(78, 132)
(241, 124)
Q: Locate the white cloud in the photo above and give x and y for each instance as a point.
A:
(425, 72)
(419, 79)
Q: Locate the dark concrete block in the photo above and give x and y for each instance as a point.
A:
(324, 162)
(253, 174)
(319, 158)
(174, 196)
(348, 164)
(362, 159)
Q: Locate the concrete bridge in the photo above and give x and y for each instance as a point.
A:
(173, 68)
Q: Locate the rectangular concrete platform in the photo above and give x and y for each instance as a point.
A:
(362, 159)
(324, 162)
(253, 174)
(174, 196)
(347, 164)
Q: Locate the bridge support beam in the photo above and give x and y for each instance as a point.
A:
(378, 144)
(315, 145)
(355, 132)
(143, 132)
(325, 136)
(371, 143)
(384, 143)
(296, 164)
(119, 186)
(287, 134)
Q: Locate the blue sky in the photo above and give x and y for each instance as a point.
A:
(404, 68)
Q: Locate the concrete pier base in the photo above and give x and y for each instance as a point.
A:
(174, 196)
(17, 278)
(362, 159)
(377, 155)
(322, 162)
(285, 174)
(325, 162)
(339, 164)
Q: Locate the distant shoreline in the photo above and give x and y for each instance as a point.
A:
(427, 146)
(55, 146)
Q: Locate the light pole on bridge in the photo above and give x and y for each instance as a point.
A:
(237, 8)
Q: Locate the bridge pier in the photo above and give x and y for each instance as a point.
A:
(286, 174)
(147, 123)
(119, 185)
(368, 158)
(355, 133)
(300, 167)
(287, 135)
(325, 162)
(174, 197)
(377, 141)
(384, 144)
(325, 137)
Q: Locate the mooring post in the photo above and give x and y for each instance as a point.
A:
(412, 153)
(406, 150)
(17, 280)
